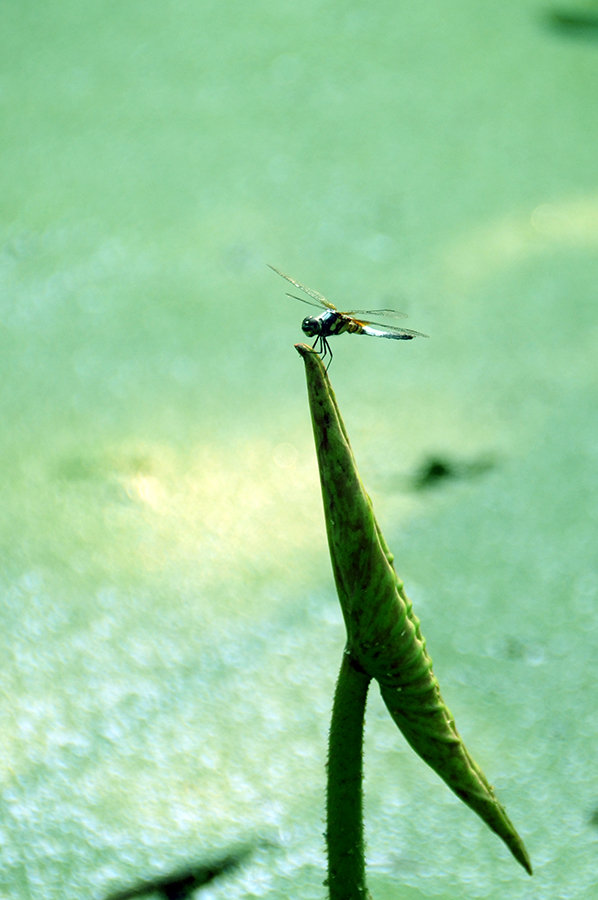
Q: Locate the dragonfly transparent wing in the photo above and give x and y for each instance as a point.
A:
(393, 313)
(388, 331)
(315, 295)
(309, 303)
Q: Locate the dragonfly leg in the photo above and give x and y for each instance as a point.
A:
(321, 346)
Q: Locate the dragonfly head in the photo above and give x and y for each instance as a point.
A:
(310, 326)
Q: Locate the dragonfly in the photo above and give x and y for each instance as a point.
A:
(332, 321)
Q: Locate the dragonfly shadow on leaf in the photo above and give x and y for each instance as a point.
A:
(436, 470)
(571, 23)
(180, 883)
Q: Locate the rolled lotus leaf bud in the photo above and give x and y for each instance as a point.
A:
(383, 633)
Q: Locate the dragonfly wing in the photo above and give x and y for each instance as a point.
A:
(303, 300)
(315, 295)
(377, 312)
(387, 331)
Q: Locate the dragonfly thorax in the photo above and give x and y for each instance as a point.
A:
(325, 325)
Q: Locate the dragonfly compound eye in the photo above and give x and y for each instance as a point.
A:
(310, 326)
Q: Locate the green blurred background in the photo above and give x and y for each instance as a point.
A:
(170, 634)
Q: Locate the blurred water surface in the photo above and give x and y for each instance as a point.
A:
(170, 634)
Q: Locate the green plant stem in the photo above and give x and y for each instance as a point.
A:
(344, 799)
